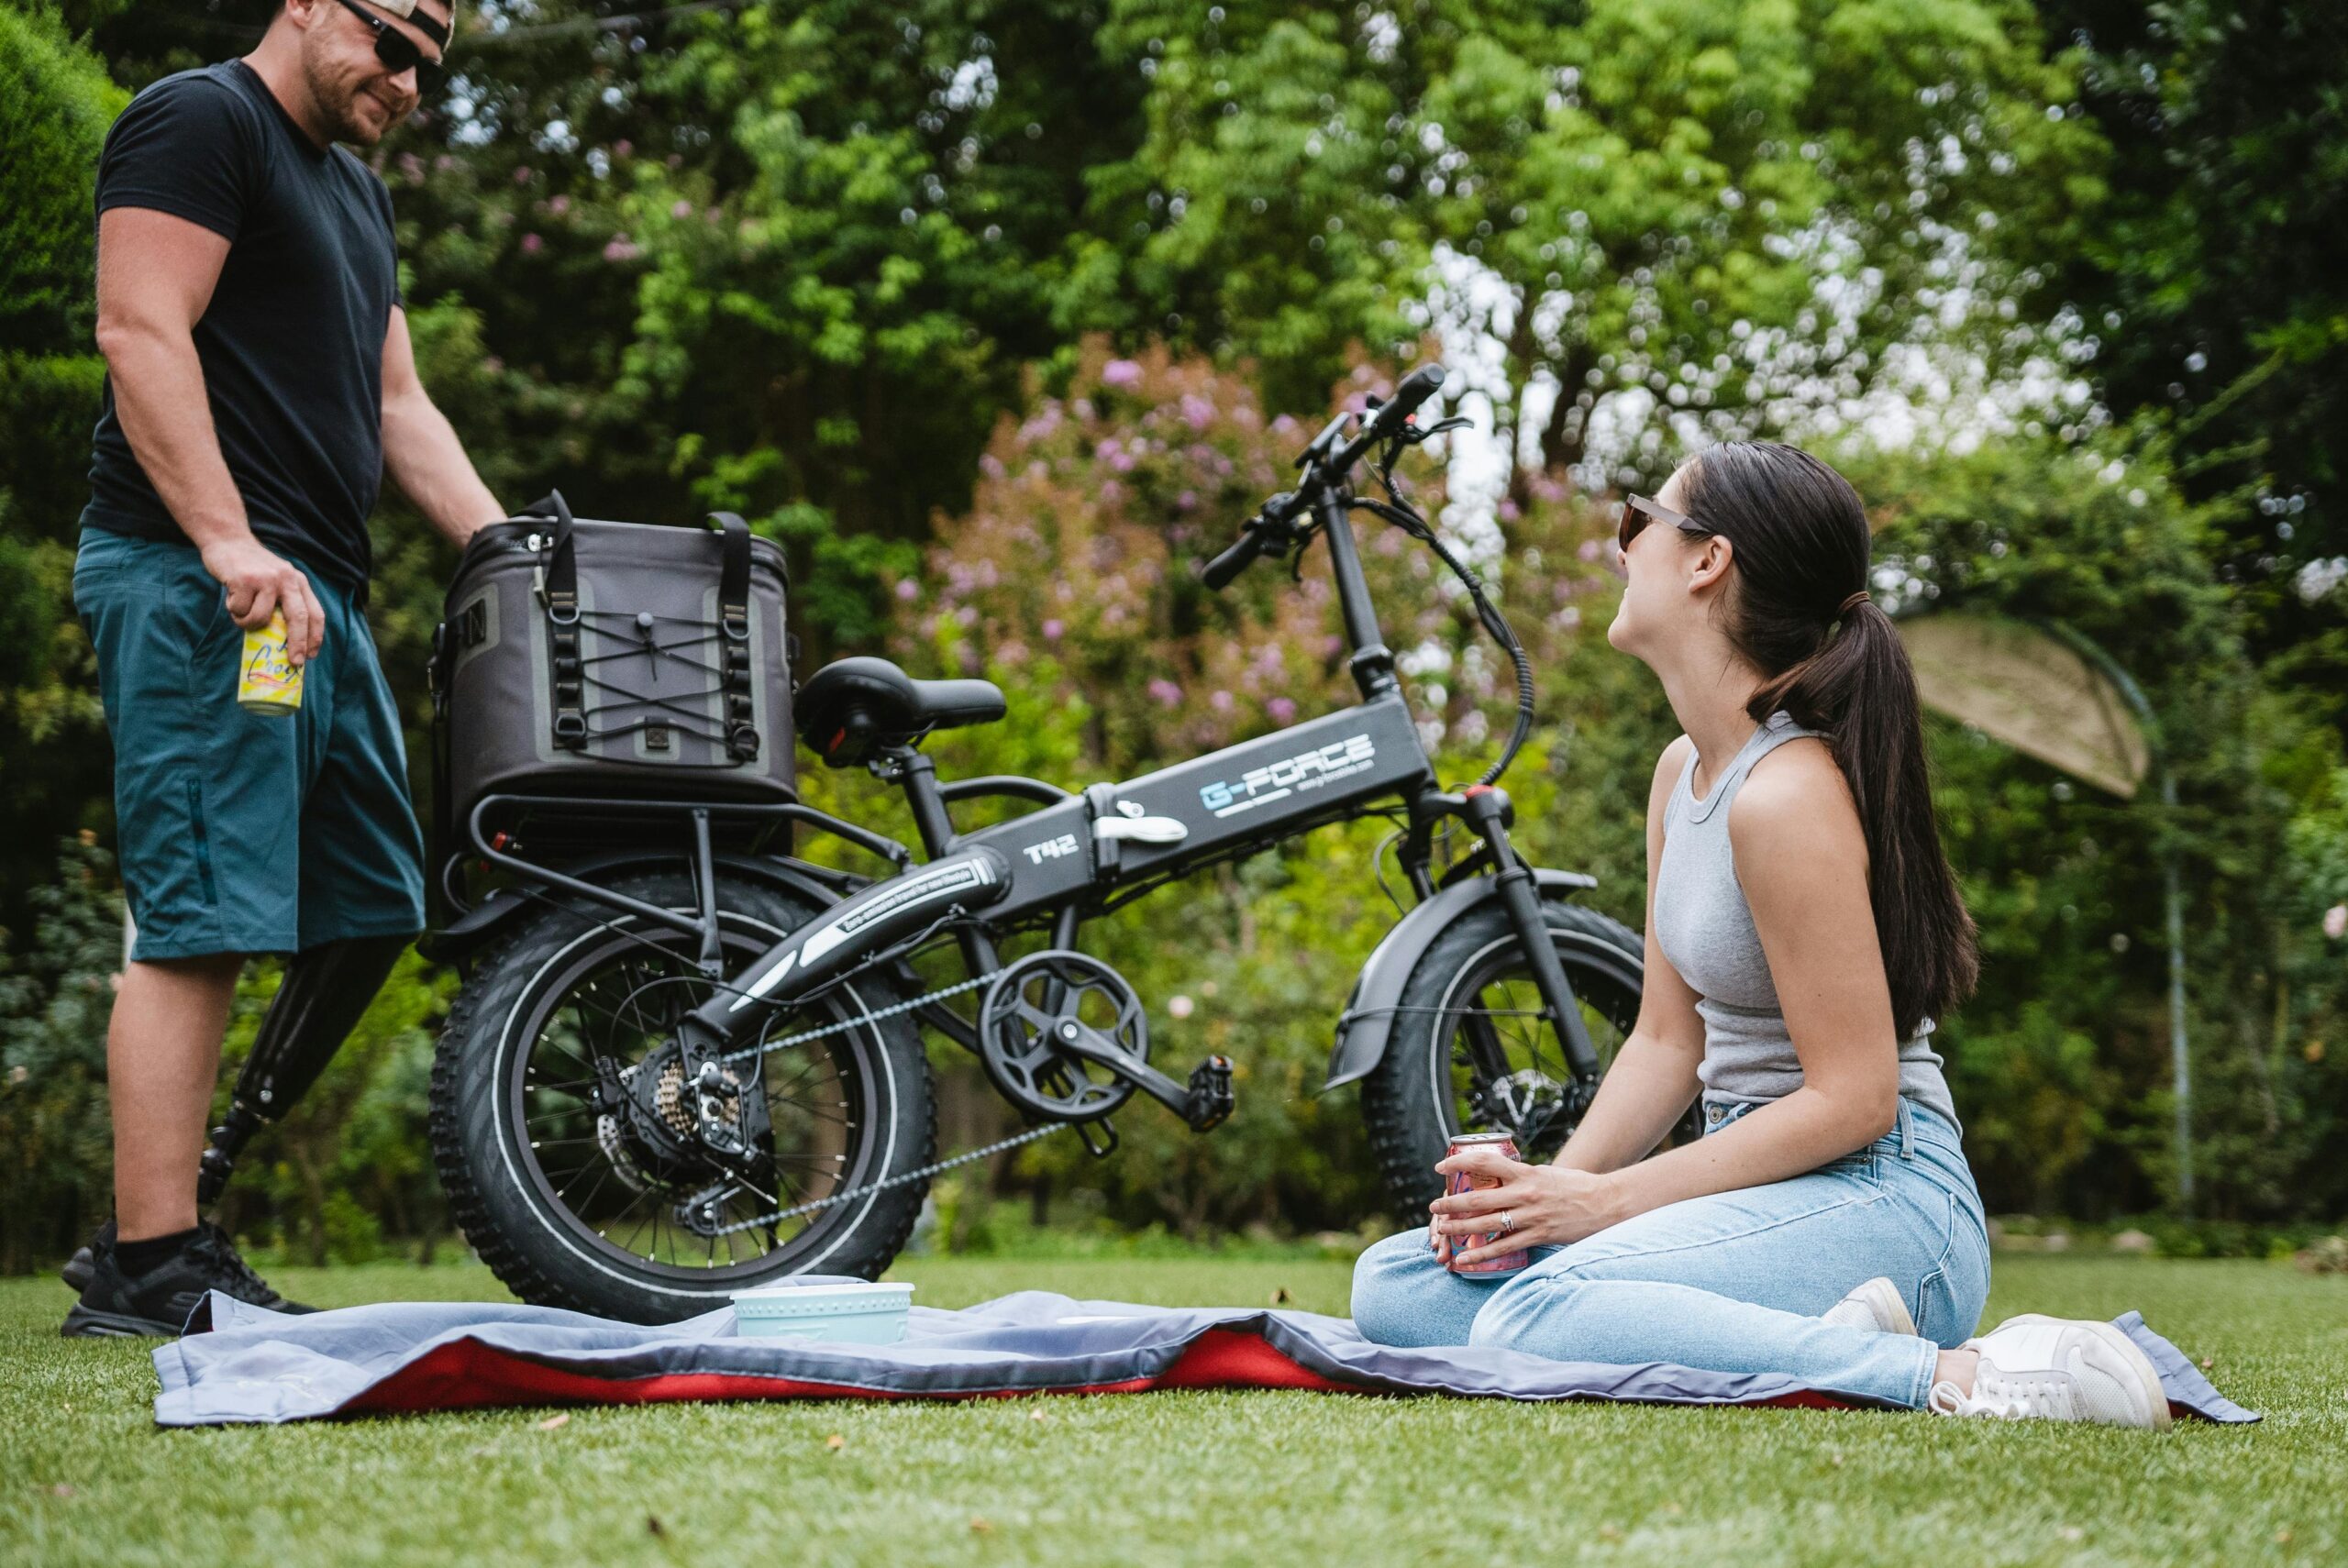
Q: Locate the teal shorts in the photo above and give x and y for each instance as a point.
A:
(244, 833)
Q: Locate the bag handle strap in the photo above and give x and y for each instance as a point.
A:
(562, 589)
(734, 650)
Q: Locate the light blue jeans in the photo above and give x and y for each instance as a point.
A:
(1733, 1282)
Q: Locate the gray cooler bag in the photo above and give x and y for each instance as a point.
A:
(628, 660)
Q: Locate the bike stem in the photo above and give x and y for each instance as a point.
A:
(1373, 662)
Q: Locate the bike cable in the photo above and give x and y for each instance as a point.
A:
(1401, 515)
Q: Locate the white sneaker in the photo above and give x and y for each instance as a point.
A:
(2059, 1369)
(1875, 1307)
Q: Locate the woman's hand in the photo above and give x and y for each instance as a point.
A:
(1547, 1204)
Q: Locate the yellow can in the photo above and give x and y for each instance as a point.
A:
(269, 681)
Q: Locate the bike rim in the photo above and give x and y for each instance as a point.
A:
(1495, 986)
(620, 990)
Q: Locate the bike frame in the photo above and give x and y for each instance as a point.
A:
(1081, 855)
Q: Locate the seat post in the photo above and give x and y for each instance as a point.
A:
(918, 775)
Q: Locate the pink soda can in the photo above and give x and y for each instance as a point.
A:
(1463, 1181)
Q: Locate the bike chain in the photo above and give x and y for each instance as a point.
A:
(929, 1170)
(864, 1017)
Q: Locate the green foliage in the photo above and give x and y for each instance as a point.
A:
(1000, 318)
(56, 994)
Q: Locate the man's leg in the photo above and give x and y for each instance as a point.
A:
(162, 1057)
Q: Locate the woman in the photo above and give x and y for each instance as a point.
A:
(1803, 929)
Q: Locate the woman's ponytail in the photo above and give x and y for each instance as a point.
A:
(1834, 661)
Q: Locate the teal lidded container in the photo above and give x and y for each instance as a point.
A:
(855, 1314)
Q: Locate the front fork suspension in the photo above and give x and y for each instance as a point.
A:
(1489, 811)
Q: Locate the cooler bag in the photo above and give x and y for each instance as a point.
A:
(617, 660)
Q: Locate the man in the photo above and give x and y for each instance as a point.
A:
(261, 381)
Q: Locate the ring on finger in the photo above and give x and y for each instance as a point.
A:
(1508, 1222)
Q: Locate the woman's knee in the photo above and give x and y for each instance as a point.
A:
(1389, 1278)
(1393, 1282)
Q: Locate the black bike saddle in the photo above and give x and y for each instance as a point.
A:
(852, 708)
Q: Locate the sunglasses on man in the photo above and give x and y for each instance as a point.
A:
(397, 50)
(1638, 510)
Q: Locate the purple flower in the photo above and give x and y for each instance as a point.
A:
(559, 205)
(1197, 411)
(622, 148)
(621, 248)
(411, 168)
(1219, 701)
(1053, 628)
(1283, 710)
(908, 590)
(1589, 550)
(990, 466)
(1120, 374)
(1112, 492)
(531, 244)
(1186, 501)
(1122, 461)
(522, 175)
(2335, 921)
(1166, 691)
(682, 209)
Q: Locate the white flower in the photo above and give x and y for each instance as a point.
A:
(2335, 921)
(2319, 578)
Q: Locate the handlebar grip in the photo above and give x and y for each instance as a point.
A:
(1220, 570)
(1390, 415)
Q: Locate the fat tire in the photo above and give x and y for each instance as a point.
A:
(1406, 1135)
(508, 1228)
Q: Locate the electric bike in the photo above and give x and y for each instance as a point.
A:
(691, 1063)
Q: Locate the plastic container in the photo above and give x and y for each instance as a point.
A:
(855, 1314)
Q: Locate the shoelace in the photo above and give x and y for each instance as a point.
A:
(2005, 1394)
(223, 1261)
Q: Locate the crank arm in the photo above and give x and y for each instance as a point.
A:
(1201, 1104)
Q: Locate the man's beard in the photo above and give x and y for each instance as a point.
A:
(338, 101)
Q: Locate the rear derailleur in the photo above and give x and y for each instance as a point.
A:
(685, 1124)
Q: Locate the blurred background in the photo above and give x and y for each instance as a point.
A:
(999, 314)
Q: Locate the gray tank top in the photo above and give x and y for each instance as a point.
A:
(1705, 928)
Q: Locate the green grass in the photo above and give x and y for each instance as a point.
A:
(1200, 1477)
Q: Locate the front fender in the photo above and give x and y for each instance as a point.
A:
(462, 937)
(1368, 1022)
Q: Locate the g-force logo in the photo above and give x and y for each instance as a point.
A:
(1307, 770)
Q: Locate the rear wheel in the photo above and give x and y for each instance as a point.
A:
(1471, 1052)
(575, 1208)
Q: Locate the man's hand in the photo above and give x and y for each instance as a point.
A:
(259, 582)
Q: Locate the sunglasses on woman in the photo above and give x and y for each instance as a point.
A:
(397, 50)
(1638, 510)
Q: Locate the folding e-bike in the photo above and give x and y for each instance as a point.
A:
(677, 1072)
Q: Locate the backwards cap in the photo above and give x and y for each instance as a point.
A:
(430, 27)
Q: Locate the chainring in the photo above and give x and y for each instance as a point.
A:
(1027, 1013)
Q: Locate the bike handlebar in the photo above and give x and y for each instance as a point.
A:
(1268, 529)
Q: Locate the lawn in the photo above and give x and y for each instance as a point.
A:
(1200, 1478)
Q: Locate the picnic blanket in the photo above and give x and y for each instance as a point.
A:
(241, 1363)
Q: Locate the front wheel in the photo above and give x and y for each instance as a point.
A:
(573, 1207)
(1471, 1052)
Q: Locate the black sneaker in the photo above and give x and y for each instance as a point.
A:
(159, 1302)
(82, 1268)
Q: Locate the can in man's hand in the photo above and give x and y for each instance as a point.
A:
(269, 681)
(1458, 1182)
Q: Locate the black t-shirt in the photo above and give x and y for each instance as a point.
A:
(292, 342)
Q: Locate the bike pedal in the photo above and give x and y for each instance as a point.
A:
(1108, 1144)
(1212, 1101)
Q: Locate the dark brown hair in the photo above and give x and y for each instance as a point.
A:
(1800, 539)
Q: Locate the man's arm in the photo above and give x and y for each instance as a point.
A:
(156, 274)
(422, 450)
